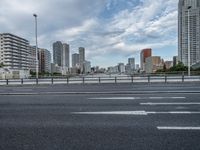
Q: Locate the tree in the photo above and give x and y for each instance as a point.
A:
(1, 65)
(179, 67)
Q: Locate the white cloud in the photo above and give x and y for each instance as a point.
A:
(150, 23)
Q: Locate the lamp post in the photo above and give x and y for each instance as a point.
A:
(189, 7)
(36, 46)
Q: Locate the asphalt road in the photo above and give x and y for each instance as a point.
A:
(100, 117)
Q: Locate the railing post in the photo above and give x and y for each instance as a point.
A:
(165, 79)
(99, 79)
(51, 80)
(148, 78)
(115, 79)
(22, 81)
(83, 80)
(67, 80)
(132, 79)
(6, 81)
(183, 77)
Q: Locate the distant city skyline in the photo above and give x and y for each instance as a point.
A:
(110, 30)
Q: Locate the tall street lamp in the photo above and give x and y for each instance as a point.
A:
(36, 46)
(189, 7)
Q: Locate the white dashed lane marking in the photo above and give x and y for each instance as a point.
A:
(135, 113)
(153, 104)
(178, 128)
(134, 98)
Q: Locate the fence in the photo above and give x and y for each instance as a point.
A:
(98, 80)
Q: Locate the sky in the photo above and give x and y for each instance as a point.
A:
(110, 30)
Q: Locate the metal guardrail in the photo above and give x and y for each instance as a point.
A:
(91, 80)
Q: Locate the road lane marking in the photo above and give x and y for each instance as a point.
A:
(167, 97)
(135, 113)
(134, 98)
(113, 98)
(175, 112)
(153, 104)
(112, 113)
(178, 128)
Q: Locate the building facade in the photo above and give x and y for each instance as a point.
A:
(32, 58)
(14, 52)
(86, 67)
(44, 60)
(131, 62)
(81, 58)
(189, 26)
(65, 55)
(145, 53)
(57, 53)
(75, 60)
(153, 64)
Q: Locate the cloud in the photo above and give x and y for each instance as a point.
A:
(106, 28)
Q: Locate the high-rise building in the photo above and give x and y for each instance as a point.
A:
(81, 54)
(75, 60)
(44, 60)
(14, 51)
(145, 53)
(81, 58)
(131, 62)
(57, 53)
(65, 55)
(189, 21)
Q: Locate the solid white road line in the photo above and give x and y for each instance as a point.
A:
(135, 113)
(150, 103)
(178, 128)
(134, 98)
(112, 113)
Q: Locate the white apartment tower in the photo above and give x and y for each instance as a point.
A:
(14, 52)
(189, 26)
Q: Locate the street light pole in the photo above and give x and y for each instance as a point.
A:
(36, 46)
(189, 7)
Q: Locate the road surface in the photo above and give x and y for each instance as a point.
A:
(100, 117)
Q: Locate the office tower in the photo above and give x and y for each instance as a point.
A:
(57, 53)
(81, 58)
(44, 60)
(81, 54)
(131, 62)
(14, 51)
(75, 60)
(145, 53)
(65, 55)
(189, 18)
